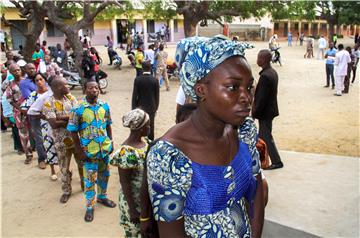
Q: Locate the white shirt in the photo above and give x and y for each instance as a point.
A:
(37, 106)
(150, 55)
(322, 43)
(342, 58)
(2, 37)
(180, 96)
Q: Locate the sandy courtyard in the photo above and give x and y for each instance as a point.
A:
(311, 120)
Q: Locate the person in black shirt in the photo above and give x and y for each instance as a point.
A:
(146, 94)
(265, 106)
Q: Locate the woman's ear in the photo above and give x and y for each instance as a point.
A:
(200, 90)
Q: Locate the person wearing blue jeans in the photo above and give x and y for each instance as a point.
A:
(330, 59)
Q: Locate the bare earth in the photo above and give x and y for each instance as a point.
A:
(311, 120)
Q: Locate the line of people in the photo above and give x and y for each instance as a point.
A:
(202, 177)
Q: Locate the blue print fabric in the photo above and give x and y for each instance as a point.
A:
(197, 56)
(211, 199)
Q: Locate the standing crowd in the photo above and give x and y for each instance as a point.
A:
(203, 177)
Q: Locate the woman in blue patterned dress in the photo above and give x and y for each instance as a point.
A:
(52, 158)
(204, 173)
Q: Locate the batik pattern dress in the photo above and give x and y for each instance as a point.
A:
(128, 157)
(13, 95)
(211, 199)
(51, 156)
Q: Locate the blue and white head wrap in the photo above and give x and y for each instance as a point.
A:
(197, 56)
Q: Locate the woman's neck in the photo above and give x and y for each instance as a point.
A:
(42, 90)
(58, 96)
(206, 125)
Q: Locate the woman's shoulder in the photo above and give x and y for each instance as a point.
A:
(248, 131)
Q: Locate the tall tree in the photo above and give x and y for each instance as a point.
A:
(58, 12)
(202, 11)
(35, 14)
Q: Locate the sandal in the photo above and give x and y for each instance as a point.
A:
(64, 198)
(28, 160)
(89, 215)
(106, 202)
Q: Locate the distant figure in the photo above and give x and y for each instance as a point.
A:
(60, 57)
(330, 59)
(161, 71)
(335, 40)
(349, 69)
(265, 107)
(322, 47)
(150, 55)
(342, 59)
(290, 38)
(110, 45)
(309, 48)
(43, 46)
(67, 46)
(21, 52)
(37, 56)
(356, 38)
(356, 53)
(273, 42)
(301, 38)
(139, 57)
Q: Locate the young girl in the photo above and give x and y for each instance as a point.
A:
(130, 160)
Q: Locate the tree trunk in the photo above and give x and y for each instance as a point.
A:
(331, 30)
(32, 37)
(190, 23)
(72, 36)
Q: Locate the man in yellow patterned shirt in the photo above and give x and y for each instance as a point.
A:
(90, 127)
(56, 109)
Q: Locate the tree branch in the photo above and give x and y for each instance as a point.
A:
(8, 23)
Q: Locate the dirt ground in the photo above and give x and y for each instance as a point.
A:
(311, 120)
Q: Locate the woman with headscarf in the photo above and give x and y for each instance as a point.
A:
(130, 160)
(204, 174)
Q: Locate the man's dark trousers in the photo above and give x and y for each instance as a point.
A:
(152, 122)
(37, 134)
(265, 129)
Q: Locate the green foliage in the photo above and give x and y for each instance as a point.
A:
(293, 10)
(113, 11)
(159, 10)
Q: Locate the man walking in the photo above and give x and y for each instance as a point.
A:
(146, 94)
(342, 59)
(110, 46)
(90, 127)
(290, 39)
(330, 59)
(161, 71)
(56, 109)
(265, 107)
(322, 47)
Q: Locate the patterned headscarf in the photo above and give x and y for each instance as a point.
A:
(197, 56)
(135, 119)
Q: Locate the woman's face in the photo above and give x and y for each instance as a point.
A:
(228, 91)
(39, 81)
